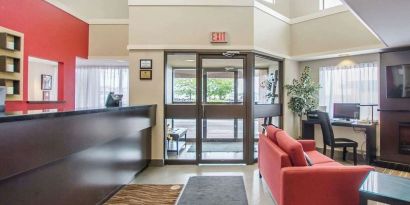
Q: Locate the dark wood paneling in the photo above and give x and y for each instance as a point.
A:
(77, 159)
(181, 111)
(392, 110)
(224, 112)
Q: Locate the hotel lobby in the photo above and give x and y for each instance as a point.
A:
(204, 102)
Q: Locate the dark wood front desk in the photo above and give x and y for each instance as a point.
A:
(308, 132)
(72, 157)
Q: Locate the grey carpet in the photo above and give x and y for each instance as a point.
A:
(214, 190)
(219, 147)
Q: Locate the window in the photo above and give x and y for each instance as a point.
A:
(326, 4)
(350, 84)
(94, 82)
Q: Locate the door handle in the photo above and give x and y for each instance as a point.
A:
(203, 111)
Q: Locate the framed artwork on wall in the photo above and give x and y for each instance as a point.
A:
(145, 74)
(146, 64)
(46, 82)
(46, 95)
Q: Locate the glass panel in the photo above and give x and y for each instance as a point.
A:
(223, 81)
(266, 81)
(181, 78)
(222, 139)
(258, 122)
(180, 137)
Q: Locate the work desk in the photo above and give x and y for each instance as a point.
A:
(308, 132)
(72, 156)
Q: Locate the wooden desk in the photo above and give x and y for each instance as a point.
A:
(308, 132)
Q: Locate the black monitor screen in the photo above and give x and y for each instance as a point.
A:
(346, 110)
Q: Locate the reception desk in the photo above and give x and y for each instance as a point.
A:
(72, 157)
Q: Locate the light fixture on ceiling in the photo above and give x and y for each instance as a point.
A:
(190, 60)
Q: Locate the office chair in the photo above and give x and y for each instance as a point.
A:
(330, 140)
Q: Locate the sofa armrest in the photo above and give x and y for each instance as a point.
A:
(337, 185)
(308, 145)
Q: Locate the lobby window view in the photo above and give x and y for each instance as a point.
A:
(204, 102)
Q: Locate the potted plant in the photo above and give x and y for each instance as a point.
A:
(303, 94)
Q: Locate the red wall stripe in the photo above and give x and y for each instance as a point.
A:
(49, 33)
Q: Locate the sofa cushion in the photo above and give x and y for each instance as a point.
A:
(318, 157)
(271, 132)
(292, 147)
(328, 164)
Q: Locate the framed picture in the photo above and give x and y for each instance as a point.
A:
(46, 82)
(145, 74)
(46, 95)
(146, 64)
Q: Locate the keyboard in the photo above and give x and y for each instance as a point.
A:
(342, 122)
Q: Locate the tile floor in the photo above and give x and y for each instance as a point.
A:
(256, 190)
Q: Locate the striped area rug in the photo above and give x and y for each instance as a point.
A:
(144, 194)
(393, 172)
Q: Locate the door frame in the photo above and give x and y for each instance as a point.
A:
(248, 103)
(202, 105)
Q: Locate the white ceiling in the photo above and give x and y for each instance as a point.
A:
(389, 20)
(94, 9)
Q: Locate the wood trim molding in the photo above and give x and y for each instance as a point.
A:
(272, 12)
(320, 14)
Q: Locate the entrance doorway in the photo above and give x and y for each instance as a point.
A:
(208, 111)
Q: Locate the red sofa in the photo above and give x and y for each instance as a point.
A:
(282, 164)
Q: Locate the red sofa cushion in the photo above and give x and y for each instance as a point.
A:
(271, 132)
(328, 164)
(318, 157)
(293, 148)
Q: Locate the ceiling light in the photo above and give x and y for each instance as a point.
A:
(190, 60)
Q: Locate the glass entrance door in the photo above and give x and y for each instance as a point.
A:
(222, 109)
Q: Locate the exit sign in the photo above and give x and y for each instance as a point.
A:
(218, 37)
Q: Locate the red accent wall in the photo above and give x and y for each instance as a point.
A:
(49, 33)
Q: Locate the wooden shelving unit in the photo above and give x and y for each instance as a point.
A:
(11, 63)
(9, 41)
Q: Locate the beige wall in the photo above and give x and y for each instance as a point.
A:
(281, 6)
(331, 34)
(291, 121)
(190, 26)
(271, 35)
(303, 7)
(108, 40)
(150, 92)
(342, 61)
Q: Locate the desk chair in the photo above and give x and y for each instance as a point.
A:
(329, 138)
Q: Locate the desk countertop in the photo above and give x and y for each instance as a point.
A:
(22, 115)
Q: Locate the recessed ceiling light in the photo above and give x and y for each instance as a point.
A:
(190, 60)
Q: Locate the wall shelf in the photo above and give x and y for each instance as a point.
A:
(9, 64)
(13, 86)
(10, 42)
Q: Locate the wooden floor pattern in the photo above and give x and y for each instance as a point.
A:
(144, 194)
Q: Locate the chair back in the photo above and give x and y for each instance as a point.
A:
(327, 130)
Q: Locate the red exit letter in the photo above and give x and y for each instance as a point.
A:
(218, 37)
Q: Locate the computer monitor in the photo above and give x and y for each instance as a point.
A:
(114, 100)
(346, 111)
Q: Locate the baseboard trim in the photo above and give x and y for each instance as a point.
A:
(392, 165)
(157, 163)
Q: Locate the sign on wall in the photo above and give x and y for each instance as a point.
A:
(218, 37)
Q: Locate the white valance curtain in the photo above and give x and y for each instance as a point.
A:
(93, 83)
(350, 84)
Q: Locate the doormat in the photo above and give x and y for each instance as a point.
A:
(145, 194)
